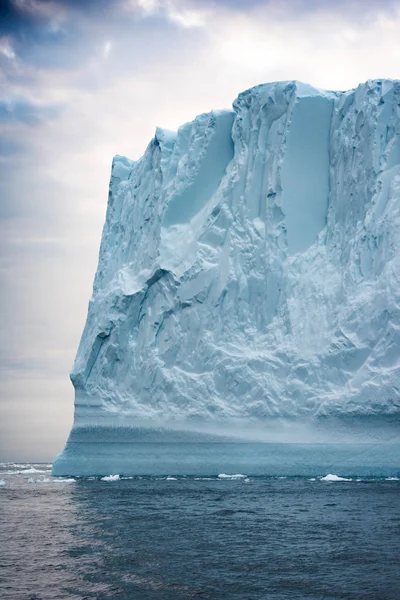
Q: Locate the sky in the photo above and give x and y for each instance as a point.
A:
(83, 80)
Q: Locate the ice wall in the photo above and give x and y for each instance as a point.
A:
(249, 267)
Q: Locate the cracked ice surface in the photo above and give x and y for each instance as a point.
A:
(249, 266)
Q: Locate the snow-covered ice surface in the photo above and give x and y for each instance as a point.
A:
(248, 282)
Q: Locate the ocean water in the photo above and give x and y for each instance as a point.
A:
(214, 538)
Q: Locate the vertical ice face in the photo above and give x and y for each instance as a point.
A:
(249, 266)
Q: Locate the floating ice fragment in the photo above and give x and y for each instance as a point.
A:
(227, 476)
(392, 479)
(171, 479)
(67, 480)
(110, 478)
(34, 470)
(331, 477)
(2, 483)
(31, 480)
(26, 471)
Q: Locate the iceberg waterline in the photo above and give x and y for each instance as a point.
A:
(248, 282)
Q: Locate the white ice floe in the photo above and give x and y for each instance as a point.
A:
(171, 479)
(235, 476)
(332, 477)
(27, 471)
(2, 483)
(110, 478)
(392, 479)
(66, 480)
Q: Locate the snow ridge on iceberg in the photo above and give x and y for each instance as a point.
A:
(249, 268)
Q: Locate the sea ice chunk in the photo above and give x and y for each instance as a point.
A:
(110, 478)
(235, 476)
(331, 477)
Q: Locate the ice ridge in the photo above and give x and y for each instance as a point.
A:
(249, 266)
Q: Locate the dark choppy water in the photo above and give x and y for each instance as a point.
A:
(214, 539)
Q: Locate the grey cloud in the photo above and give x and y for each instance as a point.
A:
(10, 147)
(53, 34)
(19, 17)
(78, 31)
(27, 366)
(75, 31)
(292, 7)
(22, 110)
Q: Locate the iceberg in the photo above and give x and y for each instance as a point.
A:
(248, 290)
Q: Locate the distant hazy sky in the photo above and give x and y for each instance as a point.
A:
(82, 80)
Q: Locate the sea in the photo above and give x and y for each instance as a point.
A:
(228, 536)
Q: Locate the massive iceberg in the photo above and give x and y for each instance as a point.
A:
(248, 285)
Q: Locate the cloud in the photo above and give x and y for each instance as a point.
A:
(285, 10)
(6, 49)
(9, 147)
(290, 9)
(184, 14)
(24, 17)
(24, 111)
(107, 49)
(330, 47)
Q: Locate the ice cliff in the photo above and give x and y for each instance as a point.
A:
(249, 267)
